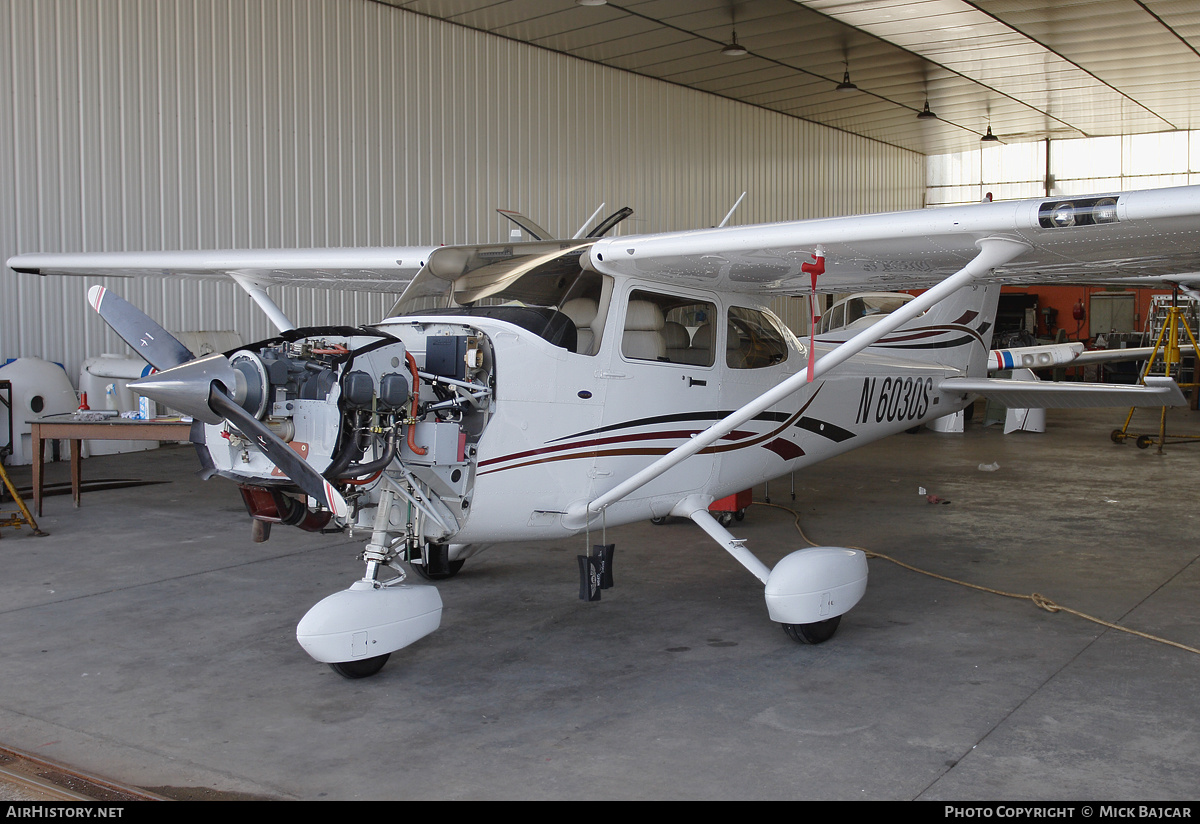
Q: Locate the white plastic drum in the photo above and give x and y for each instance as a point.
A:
(39, 388)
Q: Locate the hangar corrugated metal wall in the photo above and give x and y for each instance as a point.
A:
(139, 124)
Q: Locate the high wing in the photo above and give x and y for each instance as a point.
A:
(1153, 234)
(255, 270)
(356, 269)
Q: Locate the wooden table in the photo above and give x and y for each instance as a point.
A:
(110, 429)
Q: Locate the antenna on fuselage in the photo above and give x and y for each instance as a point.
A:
(731, 211)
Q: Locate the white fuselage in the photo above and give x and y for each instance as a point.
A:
(535, 425)
(567, 427)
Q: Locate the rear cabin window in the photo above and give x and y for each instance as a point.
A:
(756, 339)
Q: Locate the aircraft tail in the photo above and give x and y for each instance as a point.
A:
(957, 332)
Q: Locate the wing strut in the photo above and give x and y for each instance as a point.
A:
(993, 252)
(258, 292)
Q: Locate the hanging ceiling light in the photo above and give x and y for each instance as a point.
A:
(925, 114)
(734, 48)
(989, 137)
(846, 85)
(590, 2)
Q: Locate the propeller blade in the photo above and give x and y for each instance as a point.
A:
(158, 346)
(283, 456)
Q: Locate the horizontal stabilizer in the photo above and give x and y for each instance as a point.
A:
(1068, 354)
(1060, 395)
(1131, 354)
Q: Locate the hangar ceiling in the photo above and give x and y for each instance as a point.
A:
(1031, 69)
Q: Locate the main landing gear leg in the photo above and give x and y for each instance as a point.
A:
(808, 591)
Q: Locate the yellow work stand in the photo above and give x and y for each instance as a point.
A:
(24, 516)
(1167, 345)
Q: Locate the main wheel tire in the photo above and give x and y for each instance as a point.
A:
(816, 633)
(659, 521)
(363, 668)
(442, 566)
(455, 567)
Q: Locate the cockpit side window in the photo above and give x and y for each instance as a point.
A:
(837, 317)
(669, 329)
(586, 304)
(859, 311)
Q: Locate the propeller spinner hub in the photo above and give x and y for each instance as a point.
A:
(187, 387)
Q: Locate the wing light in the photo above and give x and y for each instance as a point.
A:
(1061, 214)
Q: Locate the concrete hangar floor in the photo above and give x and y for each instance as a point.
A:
(149, 640)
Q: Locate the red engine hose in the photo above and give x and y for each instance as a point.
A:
(416, 389)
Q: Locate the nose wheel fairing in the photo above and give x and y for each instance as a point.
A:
(368, 621)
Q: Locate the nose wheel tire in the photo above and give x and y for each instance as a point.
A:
(815, 633)
(363, 668)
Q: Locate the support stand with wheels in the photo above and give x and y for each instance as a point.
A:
(1166, 346)
(16, 519)
(732, 507)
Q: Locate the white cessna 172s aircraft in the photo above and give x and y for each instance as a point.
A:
(537, 390)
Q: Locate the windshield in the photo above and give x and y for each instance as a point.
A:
(523, 274)
(539, 286)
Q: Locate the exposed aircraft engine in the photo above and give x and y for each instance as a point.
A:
(354, 406)
(313, 394)
(365, 428)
